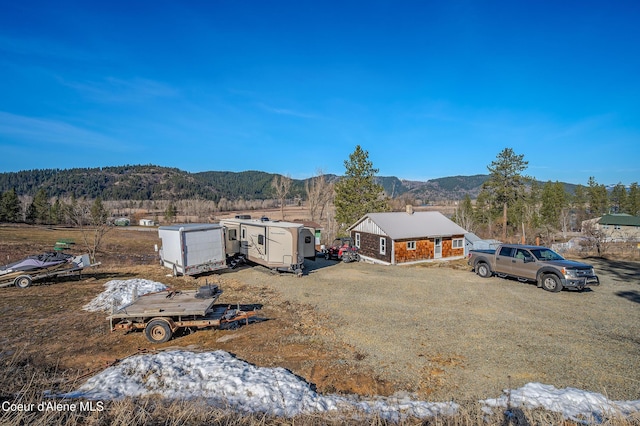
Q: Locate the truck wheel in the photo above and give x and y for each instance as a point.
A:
(551, 282)
(483, 270)
(23, 281)
(158, 331)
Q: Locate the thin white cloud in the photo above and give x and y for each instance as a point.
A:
(113, 89)
(283, 111)
(47, 131)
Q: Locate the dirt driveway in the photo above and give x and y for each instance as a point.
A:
(450, 334)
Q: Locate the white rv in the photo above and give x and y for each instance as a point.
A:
(194, 248)
(277, 245)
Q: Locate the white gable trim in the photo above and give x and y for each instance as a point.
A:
(369, 226)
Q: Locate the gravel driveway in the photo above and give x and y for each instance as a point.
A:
(450, 334)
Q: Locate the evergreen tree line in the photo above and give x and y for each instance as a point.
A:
(512, 204)
(143, 183)
(41, 211)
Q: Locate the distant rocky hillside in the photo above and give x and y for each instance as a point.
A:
(149, 182)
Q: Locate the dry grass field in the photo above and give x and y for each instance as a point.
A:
(437, 331)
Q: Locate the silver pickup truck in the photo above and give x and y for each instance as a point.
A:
(541, 265)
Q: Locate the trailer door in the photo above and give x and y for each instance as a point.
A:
(202, 246)
(254, 242)
(281, 249)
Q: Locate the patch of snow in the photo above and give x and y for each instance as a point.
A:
(120, 293)
(574, 404)
(226, 381)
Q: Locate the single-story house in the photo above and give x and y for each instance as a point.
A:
(616, 227)
(395, 238)
(147, 222)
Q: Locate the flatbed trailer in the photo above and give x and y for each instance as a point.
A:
(24, 279)
(162, 313)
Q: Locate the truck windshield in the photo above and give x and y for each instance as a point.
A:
(546, 254)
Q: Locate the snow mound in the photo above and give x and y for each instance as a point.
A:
(228, 382)
(574, 404)
(120, 293)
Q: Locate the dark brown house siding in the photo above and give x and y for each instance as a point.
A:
(370, 246)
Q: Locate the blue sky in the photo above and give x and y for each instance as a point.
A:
(429, 88)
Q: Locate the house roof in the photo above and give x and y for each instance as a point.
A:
(619, 219)
(401, 225)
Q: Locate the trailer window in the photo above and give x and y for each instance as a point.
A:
(233, 235)
(244, 234)
(307, 240)
(261, 239)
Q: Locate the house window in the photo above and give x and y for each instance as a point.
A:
(457, 243)
(383, 245)
(411, 245)
(616, 227)
(358, 239)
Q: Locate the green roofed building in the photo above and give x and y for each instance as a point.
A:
(616, 227)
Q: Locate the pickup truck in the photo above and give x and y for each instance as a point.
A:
(541, 265)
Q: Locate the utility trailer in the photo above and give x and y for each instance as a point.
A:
(40, 267)
(191, 249)
(162, 313)
(278, 245)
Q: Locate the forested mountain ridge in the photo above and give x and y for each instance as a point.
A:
(150, 182)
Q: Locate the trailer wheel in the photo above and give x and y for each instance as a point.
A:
(23, 281)
(483, 270)
(551, 282)
(158, 331)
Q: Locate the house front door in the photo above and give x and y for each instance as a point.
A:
(437, 248)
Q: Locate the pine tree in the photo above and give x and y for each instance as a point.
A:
(506, 184)
(10, 207)
(598, 198)
(633, 200)
(357, 193)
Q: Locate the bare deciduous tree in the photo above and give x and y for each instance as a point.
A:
(93, 221)
(281, 185)
(319, 194)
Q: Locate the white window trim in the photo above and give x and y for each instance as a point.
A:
(357, 240)
(383, 245)
(411, 245)
(459, 241)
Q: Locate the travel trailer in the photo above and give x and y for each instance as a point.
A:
(194, 248)
(281, 246)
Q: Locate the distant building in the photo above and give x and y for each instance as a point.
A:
(616, 227)
(395, 238)
(122, 221)
(146, 222)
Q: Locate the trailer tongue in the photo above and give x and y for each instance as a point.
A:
(161, 314)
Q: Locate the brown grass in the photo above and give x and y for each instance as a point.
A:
(48, 343)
